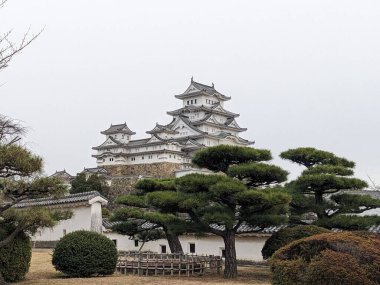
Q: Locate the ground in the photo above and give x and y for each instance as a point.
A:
(42, 272)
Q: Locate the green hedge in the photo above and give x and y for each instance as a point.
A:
(85, 254)
(288, 235)
(15, 256)
(327, 259)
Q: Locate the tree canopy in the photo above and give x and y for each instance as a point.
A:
(141, 207)
(242, 193)
(19, 180)
(322, 189)
(94, 182)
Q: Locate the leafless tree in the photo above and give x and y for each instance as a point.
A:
(373, 185)
(9, 48)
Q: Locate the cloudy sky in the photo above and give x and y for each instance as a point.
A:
(300, 73)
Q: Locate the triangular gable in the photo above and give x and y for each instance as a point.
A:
(191, 89)
(182, 126)
(234, 124)
(214, 120)
(109, 142)
(153, 139)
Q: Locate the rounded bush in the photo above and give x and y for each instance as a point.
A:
(288, 235)
(85, 254)
(15, 256)
(327, 259)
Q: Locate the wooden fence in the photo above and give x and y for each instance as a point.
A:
(167, 264)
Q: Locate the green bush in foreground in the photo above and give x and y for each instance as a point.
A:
(288, 235)
(328, 259)
(15, 257)
(85, 254)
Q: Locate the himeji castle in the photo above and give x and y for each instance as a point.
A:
(201, 121)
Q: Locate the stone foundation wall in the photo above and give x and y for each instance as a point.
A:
(156, 170)
(123, 177)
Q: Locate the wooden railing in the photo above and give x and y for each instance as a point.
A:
(147, 263)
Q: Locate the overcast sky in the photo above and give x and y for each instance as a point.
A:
(300, 73)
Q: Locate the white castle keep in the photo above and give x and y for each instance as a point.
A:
(201, 122)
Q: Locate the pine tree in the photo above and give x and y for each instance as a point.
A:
(320, 189)
(20, 180)
(138, 211)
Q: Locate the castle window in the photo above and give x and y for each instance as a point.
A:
(142, 158)
(188, 102)
(195, 101)
(192, 247)
(191, 101)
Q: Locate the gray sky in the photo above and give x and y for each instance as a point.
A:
(300, 73)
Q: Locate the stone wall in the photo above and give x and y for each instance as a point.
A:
(156, 170)
(123, 177)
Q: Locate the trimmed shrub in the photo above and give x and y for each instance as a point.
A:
(15, 257)
(85, 254)
(327, 259)
(288, 235)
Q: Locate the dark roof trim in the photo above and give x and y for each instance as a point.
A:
(71, 198)
(118, 129)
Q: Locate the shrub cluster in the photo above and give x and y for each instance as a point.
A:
(327, 259)
(15, 256)
(85, 254)
(288, 235)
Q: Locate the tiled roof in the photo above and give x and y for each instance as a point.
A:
(95, 170)
(192, 108)
(373, 193)
(210, 90)
(117, 129)
(142, 224)
(244, 228)
(62, 173)
(71, 198)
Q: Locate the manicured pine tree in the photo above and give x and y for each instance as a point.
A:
(137, 211)
(19, 180)
(221, 203)
(319, 190)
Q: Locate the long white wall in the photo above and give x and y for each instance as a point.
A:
(247, 248)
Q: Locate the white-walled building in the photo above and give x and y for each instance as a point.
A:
(86, 214)
(248, 245)
(201, 121)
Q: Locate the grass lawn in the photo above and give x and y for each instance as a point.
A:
(42, 272)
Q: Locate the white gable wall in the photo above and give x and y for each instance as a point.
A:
(84, 217)
(81, 220)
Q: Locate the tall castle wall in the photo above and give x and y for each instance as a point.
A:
(123, 177)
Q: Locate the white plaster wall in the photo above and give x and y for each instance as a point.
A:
(247, 248)
(81, 220)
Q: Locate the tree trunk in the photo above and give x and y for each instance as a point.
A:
(230, 267)
(174, 243)
(318, 203)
